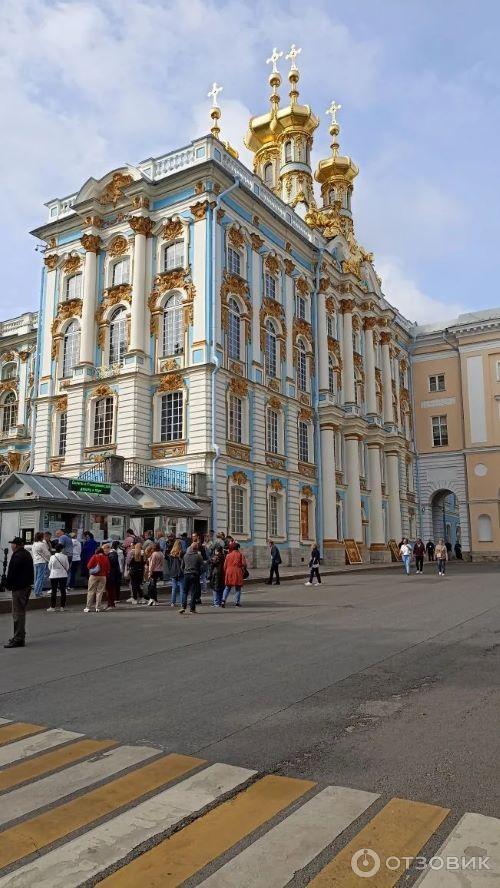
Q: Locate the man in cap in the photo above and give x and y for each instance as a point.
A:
(20, 578)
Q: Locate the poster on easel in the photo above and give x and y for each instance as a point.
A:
(352, 553)
(393, 546)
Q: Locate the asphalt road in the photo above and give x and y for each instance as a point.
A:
(374, 681)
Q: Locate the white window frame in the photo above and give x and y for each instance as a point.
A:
(106, 429)
(271, 359)
(118, 327)
(174, 255)
(172, 325)
(301, 307)
(9, 375)
(62, 433)
(268, 175)
(233, 329)
(301, 366)
(120, 272)
(332, 377)
(172, 416)
(303, 442)
(73, 286)
(10, 408)
(67, 370)
(438, 423)
(234, 261)
(434, 381)
(273, 430)
(235, 419)
(270, 285)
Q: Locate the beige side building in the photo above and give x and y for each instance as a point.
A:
(456, 393)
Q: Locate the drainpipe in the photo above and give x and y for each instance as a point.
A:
(317, 430)
(466, 474)
(34, 404)
(417, 470)
(211, 325)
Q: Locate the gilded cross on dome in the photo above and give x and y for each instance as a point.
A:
(292, 55)
(214, 92)
(274, 58)
(333, 111)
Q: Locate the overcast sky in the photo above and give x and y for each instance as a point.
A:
(87, 85)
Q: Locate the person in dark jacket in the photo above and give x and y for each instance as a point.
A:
(192, 564)
(216, 575)
(458, 551)
(176, 572)
(114, 578)
(430, 547)
(419, 552)
(275, 564)
(88, 549)
(314, 563)
(20, 578)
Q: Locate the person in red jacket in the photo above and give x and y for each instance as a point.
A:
(98, 568)
(419, 552)
(234, 571)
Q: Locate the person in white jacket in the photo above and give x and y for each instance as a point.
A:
(75, 564)
(405, 552)
(58, 573)
(40, 552)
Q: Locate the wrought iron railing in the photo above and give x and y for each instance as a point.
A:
(142, 475)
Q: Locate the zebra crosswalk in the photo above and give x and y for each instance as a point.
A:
(75, 810)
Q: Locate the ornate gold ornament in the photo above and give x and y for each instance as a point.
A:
(61, 403)
(13, 459)
(324, 284)
(274, 385)
(276, 485)
(330, 304)
(171, 383)
(274, 403)
(140, 202)
(141, 225)
(257, 242)
(101, 336)
(199, 188)
(91, 243)
(346, 305)
(8, 385)
(306, 491)
(238, 387)
(302, 286)
(236, 368)
(239, 478)
(101, 391)
(302, 328)
(118, 246)
(112, 296)
(369, 323)
(199, 209)
(112, 193)
(272, 265)
(56, 463)
(367, 306)
(24, 355)
(238, 451)
(256, 221)
(72, 264)
(275, 462)
(289, 266)
(220, 215)
(51, 261)
(169, 364)
(305, 415)
(172, 230)
(307, 469)
(51, 243)
(236, 238)
(168, 450)
(356, 323)
(385, 337)
(403, 364)
(93, 222)
(7, 356)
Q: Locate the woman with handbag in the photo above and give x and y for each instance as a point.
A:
(136, 568)
(98, 568)
(235, 572)
(156, 564)
(58, 575)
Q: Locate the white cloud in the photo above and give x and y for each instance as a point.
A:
(404, 293)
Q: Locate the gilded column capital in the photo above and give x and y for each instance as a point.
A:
(385, 337)
(141, 225)
(51, 261)
(91, 243)
(369, 323)
(347, 305)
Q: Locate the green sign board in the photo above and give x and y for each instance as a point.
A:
(80, 485)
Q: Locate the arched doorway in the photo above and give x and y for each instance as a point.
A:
(446, 517)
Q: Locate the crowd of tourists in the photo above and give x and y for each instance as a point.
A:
(439, 552)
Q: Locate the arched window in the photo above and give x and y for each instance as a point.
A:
(233, 329)
(71, 348)
(74, 287)
(271, 352)
(172, 326)
(9, 418)
(173, 256)
(118, 336)
(301, 366)
(121, 272)
(331, 376)
(270, 286)
(103, 421)
(288, 152)
(268, 175)
(484, 534)
(9, 371)
(233, 261)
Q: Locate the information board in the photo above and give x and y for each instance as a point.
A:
(352, 552)
(80, 485)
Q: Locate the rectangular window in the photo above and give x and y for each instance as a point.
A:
(439, 431)
(237, 508)
(301, 308)
(171, 428)
(121, 272)
(63, 429)
(436, 383)
(272, 515)
(233, 261)
(74, 287)
(270, 286)
(272, 431)
(303, 442)
(174, 256)
(103, 422)
(235, 419)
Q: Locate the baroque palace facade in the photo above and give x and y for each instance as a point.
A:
(197, 316)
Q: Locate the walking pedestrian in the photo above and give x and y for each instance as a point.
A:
(192, 564)
(75, 563)
(441, 557)
(58, 575)
(275, 564)
(430, 550)
(114, 577)
(98, 568)
(19, 579)
(89, 547)
(40, 552)
(176, 572)
(136, 568)
(235, 567)
(216, 575)
(314, 563)
(419, 552)
(156, 563)
(405, 552)
(458, 551)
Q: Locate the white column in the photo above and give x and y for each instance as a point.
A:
(322, 344)
(255, 297)
(385, 339)
(141, 225)
(289, 314)
(376, 514)
(395, 530)
(21, 399)
(371, 391)
(91, 244)
(48, 316)
(354, 527)
(199, 271)
(329, 485)
(398, 419)
(348, 356)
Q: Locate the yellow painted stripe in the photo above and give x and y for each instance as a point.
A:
(51, 761)
(17, 731)
(400, 830)
(177, 858)
(32, 835)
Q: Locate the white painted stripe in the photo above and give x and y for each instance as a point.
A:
(273, 860)
(5, 721)
(475, 836)
(58, 786)
(33, 745)
(84, 857)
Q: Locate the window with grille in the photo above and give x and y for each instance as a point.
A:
(303, 442)
(288, 152)
(103, 421)
(171, 428)
(271, 350)
(301, 367)
(331, 376)
(440, 431)
(74, 287)
(235, 410)
(172, 334)
(121, 272)
(173, 256)
(437, 383)
(272, 431)
(71, 348)
(9, 418)
(63, 430)
(301, 307)
(118, 336)
(233, 329)
(270, 285)
(272, 516)
(237, 510)
(233, 261)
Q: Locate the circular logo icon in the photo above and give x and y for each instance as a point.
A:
(365, 863)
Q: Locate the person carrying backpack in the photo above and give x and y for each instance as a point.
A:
(314, 563)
